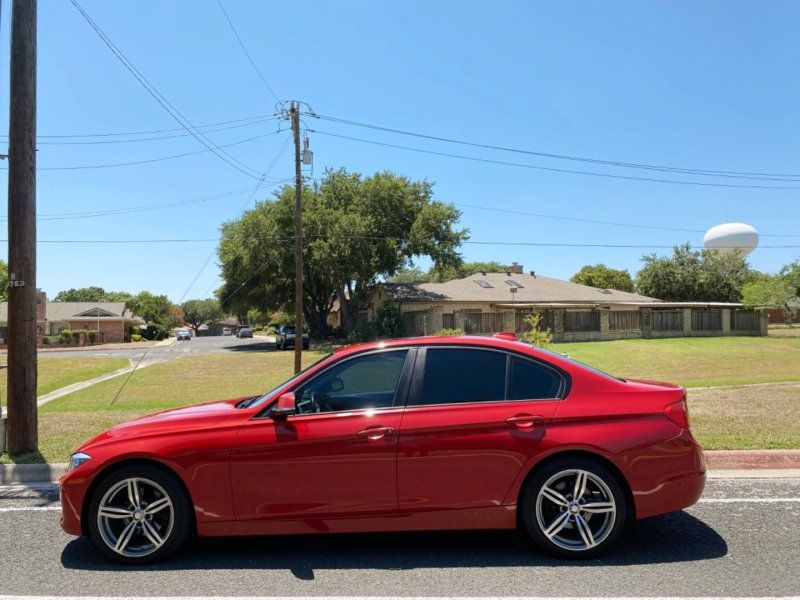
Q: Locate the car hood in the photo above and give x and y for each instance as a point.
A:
(177, 420)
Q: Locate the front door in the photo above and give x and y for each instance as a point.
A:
(338, 455)
(475, 416)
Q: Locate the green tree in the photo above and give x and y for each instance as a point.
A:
(791, 275)
(408, 275)
(355, 230)
(601, 276)
(463, 269)
(3, 281)
(157, 309)
(92, 293)
(197, 312)
(534, 334)
(694, 276)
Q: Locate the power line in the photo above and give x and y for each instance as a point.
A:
(614, 163)
(553, 169)
(162, 101)
(145, 139)
(247, 54)
(152, 160)
(601, 222)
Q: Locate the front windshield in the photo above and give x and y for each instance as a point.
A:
(277, 390)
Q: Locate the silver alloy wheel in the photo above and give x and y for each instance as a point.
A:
(575, 510)
(135, 517)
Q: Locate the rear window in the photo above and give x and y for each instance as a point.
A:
(529, 381)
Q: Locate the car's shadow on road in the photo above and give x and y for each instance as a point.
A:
(678, 537)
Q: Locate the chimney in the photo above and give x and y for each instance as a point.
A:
(515, 268)
(41, 305)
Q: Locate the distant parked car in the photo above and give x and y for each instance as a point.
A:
(227, 331)
(284, 337)
(184, 335)
(244, 332)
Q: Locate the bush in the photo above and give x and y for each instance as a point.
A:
(450, 332)
(135, 337)
(154, 331)
(366, 331)
(51, 340)
(66, 336)
(388, 320)
(535, 336)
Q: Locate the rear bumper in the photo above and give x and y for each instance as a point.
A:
(681, 487)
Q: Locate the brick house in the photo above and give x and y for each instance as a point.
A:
(112, 319)
(487, 303)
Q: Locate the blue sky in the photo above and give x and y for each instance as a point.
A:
(710, 85)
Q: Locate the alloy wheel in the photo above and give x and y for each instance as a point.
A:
(575, 510)
(135, 517)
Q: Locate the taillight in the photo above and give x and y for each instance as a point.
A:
(678, 413)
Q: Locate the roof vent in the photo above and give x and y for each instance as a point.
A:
(604, 291)
(483, 273)
(533, 274)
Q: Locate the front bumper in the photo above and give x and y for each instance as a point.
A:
(73, 487)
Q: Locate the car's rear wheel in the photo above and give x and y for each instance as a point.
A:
(574, 507)
(139, 514)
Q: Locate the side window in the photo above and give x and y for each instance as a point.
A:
(363, 382)
(530, 381)
(455, 375)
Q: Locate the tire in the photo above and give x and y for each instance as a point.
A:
(559, 524)
(151, 537)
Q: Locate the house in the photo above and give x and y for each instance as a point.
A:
(778, 315)
(487, 303)
(111, 319)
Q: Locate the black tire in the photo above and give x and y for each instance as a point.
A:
(571, 539)
(175, 533)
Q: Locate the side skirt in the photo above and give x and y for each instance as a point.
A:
(491, 517)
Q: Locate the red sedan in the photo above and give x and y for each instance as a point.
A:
(413, 434)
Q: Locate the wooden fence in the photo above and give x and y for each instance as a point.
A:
(475, 322)
(581, 321)
(745, 320)
(667, 320)
(707, 320)
(546, 321)
(625, 320)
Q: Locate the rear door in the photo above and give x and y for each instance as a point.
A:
(475, 416)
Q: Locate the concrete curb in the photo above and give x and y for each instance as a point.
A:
(752, 459)
(722, 464)
(39, 473)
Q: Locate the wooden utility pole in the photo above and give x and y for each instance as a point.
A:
(298, 240)
(22, 431)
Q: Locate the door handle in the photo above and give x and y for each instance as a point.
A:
(526, 421)
(376, 433)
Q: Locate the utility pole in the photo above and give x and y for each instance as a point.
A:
(22, 425)
(294, 112)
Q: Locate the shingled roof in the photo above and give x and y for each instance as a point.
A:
(68, 311)
(497, 289)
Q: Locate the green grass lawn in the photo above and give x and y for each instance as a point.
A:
(732, 418)
(55, 373)
(694, 362)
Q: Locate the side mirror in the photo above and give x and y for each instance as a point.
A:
(284, 407)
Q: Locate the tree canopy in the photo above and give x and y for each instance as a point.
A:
(694, 276)
(601, 276)
(355, 230)
(197, 312)
(460, 270)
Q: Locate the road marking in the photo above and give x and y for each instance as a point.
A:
(27, 508)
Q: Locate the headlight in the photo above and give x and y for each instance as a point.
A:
(77, 459)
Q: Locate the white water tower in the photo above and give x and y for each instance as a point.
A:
(729, 236)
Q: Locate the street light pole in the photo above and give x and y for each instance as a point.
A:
(294, 113)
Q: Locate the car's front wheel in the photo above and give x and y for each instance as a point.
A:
(139, 514)
(574, 507)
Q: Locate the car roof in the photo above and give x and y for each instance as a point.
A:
(506, 342)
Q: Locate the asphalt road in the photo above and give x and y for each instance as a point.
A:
(742, 539)
(195, 347)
